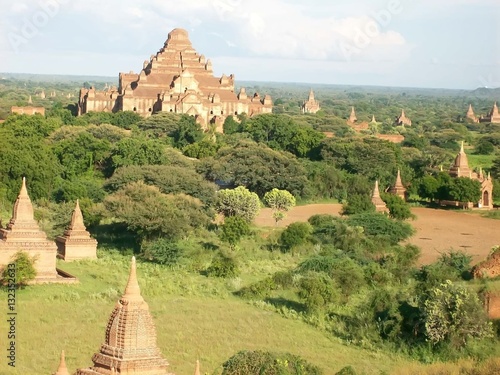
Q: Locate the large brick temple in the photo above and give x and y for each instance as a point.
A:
(177, 79)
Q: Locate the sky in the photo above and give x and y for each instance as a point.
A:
(406, 43)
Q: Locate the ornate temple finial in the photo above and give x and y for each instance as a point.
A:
(489, 175)
(441, 168)
(197, 369)
(373, 119)
(30, 101)
(62, 369)
(132, 290)
(462, 147)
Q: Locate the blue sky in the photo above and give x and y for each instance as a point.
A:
(425, 43)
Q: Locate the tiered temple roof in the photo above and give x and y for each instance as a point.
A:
(398, 188)
(130, 342)
(470, 114)
(311, 105)
(23, 233)
(460, 167)
(177, 79)
(402, 119)
(379, 204)
(493, 116)
(76, 242)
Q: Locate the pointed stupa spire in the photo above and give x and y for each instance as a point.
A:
(30, 101)
(352, 117)
(460, 167)
(62, 369)
(311, 94)
(398, 188)
(197, 369)
(376, 191)
(132, 290)
(462, 148)
(398, 179)
(441, 168)
(379, 204)
(373, 119)
(77, 218)
(23, 209)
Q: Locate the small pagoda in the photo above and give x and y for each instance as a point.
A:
(402, 119)
(470, 114)
(398, 188)
(352, 116)
(311, 105)
(23, 234)
(76, 242)
(130, 342)
(379, 204)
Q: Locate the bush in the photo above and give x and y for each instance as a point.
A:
(223, 266)
(378, 225)
(267, 363)
(162, 251)
(295, 234)
(317, 290)
(348, 370)
(24, 271)
(233, 229)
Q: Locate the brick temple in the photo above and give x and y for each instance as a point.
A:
(177, 79)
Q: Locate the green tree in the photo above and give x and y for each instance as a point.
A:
(295, 234)
(428, 187)
(465, 190)
(238, 202)
(201, 149)
(150, 214)
(454, 315)
(162, 251)
(24, 270)
(233, 230)
(257, 168)
(398, 208)
(267, 363)
(280, 201)
(133, 151)
(187, 132)
(357, 203)
(379, 225)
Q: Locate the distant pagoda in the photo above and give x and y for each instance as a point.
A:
(398, 188)
(379, 204)
(311, 105)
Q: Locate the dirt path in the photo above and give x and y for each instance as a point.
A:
(437, 230)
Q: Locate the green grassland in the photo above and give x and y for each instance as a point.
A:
(196, 318)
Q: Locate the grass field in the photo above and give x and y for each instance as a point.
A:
(196, 317)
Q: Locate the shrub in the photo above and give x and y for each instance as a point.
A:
(348, 370)
(459, 261)
(233, 229)
(267, 363)
(379, 225)
(223, 266)
(295, 234)
(318, 291)
(24, 271)
(162, 251)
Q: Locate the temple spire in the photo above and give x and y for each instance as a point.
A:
(376, 191)
(62, 369)
(77, 218)
(379, 204)
(352, 117)
(132, 291)
(197, 369)
(398, 179)
(462, 147)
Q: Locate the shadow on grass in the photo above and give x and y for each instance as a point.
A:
(116, 236)
(280, 302)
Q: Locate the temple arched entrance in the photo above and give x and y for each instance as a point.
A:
(486, 198)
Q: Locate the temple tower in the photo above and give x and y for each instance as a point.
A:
(352, 117)
(130, 341)
(398, 188)
(460, 167)
(470, 114)
(76, 242)
(311, 105)
(62, 369)
(403, 120)
(23, 234)
(379, 204)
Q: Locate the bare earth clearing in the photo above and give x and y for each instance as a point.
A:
(437, 230)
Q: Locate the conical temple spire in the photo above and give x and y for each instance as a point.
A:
(352, 117)
(311, 94)
(398, 179)
(197, 369)
(30, 101)
(23, 209)
(62, 369)
(77, 218)
(462, 147)
(376, 191)
(132, 291)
